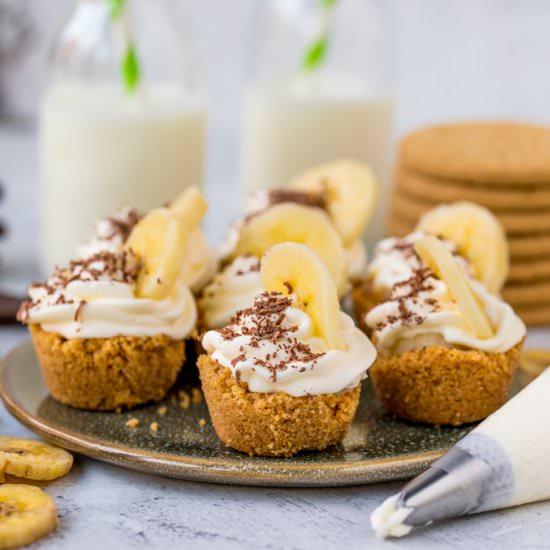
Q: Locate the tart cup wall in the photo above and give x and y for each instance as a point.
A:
(107, 373)
(273, 424)
(438, 385)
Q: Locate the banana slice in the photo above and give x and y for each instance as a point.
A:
(294, 269)
(350, 190)
(300, 224)
(479, 236)
(190, 206)
(26, 514)
(159, 240)
(33, 459)
(434, 254)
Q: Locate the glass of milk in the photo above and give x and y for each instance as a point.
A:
(320, 90)
(122, 117)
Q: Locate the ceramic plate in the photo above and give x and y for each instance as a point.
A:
(377, 447)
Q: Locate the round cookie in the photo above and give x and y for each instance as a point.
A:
(529, 246)
(536, 315)
(527, 294)
(488, 152)
(397, 227)
(495, 197)
(523, 271)
(522, 247)
(517, 223)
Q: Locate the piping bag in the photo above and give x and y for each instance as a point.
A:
(504, 461)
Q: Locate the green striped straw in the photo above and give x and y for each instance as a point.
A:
(129, 65)
(316, 51)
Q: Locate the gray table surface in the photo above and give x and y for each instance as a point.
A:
(103, 506)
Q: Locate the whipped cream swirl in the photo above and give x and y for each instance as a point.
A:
(110, 232)
(95, 298)
(420, 311)
(231, 290)
(271, 347)
(395, 260)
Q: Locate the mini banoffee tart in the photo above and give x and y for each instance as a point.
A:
(109, 328)
(447, 347)
(345, 190)
(284, 375)
(470, 232)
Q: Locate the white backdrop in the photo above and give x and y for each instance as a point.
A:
(455, 59)
(483, 58)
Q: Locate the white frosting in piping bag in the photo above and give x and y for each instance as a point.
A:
(387, 520)
(501, 463)
(522, 429)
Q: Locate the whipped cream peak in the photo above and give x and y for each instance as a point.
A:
(232, 289)
(419, 311)
(111, 232)
(271, 347)
(122, 267)
(413, 299)
(95, 296)
(395, 260)
(266, 321)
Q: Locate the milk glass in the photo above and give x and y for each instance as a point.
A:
(122, 117)
(320, 89)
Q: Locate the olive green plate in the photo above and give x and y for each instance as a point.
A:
(377, 447)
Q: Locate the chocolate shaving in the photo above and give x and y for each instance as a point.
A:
(265, 322)
(79, 310)
(410, 291)
(255, 267)
(316, 199)
(238, 359)
(121, 224)
(122, 267)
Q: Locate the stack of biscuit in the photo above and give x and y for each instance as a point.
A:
(502, 166)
